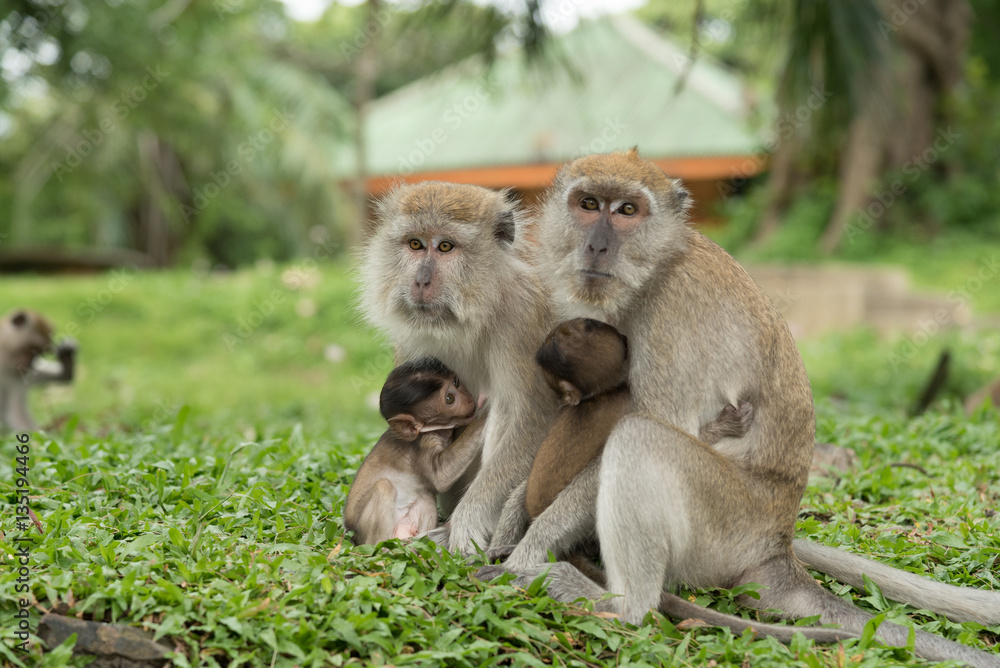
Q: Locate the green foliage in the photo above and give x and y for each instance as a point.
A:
(410, 42)
(946, 262)
(144, 113)
(235, 552)
(861, 372)
(794, 240)
(198, 491)
(201, 130)
(272, 345)
(965, 193)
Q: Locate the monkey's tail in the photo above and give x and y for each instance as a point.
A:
(959, 604)
(682, 609)
(797, 594)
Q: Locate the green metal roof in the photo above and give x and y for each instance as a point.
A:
(623, 94)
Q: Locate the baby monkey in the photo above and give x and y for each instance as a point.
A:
(393, 495)
(586, 362)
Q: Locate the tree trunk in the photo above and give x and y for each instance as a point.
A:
(162, 179)
(784, 180)
(860, 167)
(924, 69)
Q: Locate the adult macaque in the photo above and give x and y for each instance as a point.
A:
(615, 246)
(444, 276)
(586, 363)
(393, 495)
(24, 337)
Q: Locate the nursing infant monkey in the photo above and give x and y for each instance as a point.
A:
(586, 362)
(394, 492)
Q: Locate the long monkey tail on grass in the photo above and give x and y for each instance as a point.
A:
(959, 604)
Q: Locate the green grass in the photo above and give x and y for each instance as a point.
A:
(219, 525)
(245, 349)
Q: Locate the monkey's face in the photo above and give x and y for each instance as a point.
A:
(428, 265)
(24, 335)
(455, 404)
(608, 223)
(583, 357)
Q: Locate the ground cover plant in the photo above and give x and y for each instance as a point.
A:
(192, 483)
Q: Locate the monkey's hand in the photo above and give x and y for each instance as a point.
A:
(66, 349)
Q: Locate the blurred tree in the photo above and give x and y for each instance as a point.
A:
(912, 131)
(862, 92)
(379, 47)
(161, 127)
(185, 128)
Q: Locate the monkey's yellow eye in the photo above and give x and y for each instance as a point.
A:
(628, 209)
(445, 246)
(449, 398)
(416, 244)
(588, 204)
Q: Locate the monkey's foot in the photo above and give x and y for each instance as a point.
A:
(491, 572)
(491, 555)
(467, 536)
(564, 582)
(500, 552)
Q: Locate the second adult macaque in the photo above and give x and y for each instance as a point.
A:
(586, 363)
(614, 244)
(393, 495)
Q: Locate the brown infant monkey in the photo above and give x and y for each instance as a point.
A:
(586, 362)
(393, 495)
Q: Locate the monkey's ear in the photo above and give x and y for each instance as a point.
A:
(571, 396)
(20, 319)
(503, 229)
(681, 197)
(405, 426)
